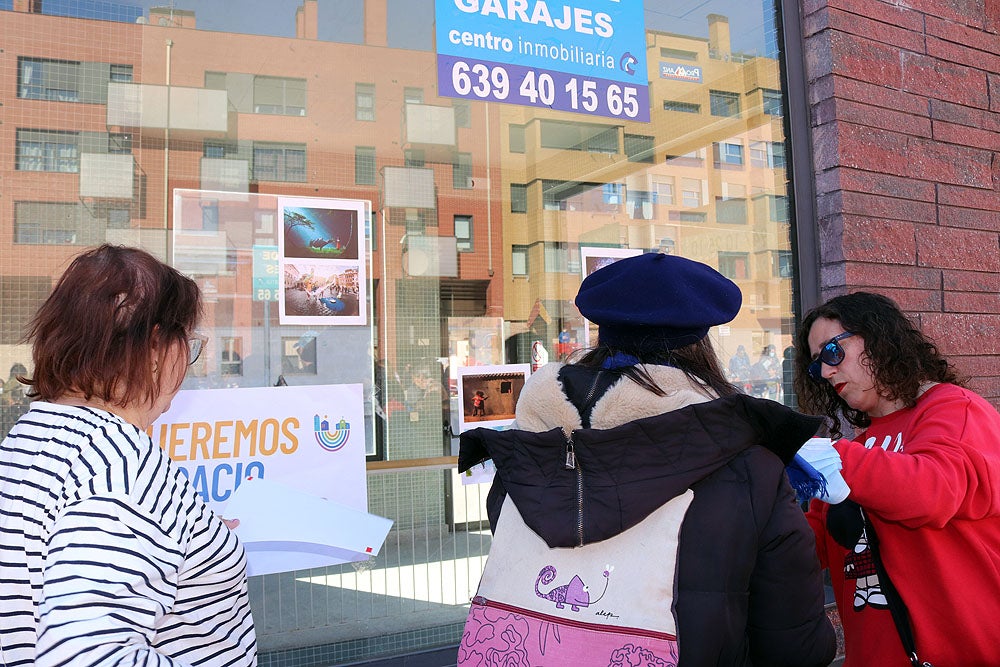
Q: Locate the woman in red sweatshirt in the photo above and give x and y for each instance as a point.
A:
(924, 464)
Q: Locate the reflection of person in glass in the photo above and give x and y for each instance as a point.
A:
(641, 449)
(110, 555)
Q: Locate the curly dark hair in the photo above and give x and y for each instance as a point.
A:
(698, 361)
(900, 356)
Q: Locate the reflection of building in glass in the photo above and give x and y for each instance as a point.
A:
(705, 179)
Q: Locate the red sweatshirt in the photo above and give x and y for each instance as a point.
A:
(929, 477)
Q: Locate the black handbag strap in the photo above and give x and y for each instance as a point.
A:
(897, 608)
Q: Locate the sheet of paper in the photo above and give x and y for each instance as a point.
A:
(283, 529)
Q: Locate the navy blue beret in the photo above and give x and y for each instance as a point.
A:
(657, 300)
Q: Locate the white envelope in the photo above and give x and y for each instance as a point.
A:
(283, 529)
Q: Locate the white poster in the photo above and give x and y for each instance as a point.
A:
(321, 249)
(288, 462)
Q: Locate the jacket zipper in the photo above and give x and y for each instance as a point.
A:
(583, 625)
(571, 464)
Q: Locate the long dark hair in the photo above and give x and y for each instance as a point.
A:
(899, 356)
(698, 361)
(98, 331)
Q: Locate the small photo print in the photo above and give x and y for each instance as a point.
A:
(488, 394)
(321, 290)
(314, 232)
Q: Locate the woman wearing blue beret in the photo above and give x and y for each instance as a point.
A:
(641, 511)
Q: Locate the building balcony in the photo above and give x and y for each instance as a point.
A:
(106, 176)
(191, 110)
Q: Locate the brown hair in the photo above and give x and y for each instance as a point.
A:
(97, 331)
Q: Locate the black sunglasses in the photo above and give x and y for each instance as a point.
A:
(830, 354)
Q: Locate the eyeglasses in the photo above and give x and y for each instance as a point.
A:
(195, 346)
(831, 354)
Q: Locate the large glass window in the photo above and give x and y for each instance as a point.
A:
(486, 214)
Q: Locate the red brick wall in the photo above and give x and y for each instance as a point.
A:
(905, 113)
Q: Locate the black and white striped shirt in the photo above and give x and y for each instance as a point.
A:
(107, 555)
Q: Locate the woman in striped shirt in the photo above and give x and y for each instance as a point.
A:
(107, 555)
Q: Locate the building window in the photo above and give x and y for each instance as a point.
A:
(691, 192)
(683, 107)
(364, 165)
(46, 223)
(767, 154)
(215, 80)
(120, 143)
(364, 101)
(639, 204)
(231, 356)
(461, 171)
(277, 162)
(518, 198)
(413, 157)
(463, 233)
(782, 264)
(210, 215)
(640, 148)
(734, 265)
(771, 207)
(519, 260)
(727, 153)
(678, 54)
(413, 95)
(517, 138)
(772, 101)
(665, 192)
(556, 257)
(55, 80)
(220, 149)
(41, 150)
(566, 135)
(723, 103)
(121, 73)
(463, 113)
(731, 211)
(278, 95)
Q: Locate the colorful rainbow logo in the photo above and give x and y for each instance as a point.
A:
(329, 440)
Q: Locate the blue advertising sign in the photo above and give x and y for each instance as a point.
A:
(265, 273)
(587, 56)
(680, 72)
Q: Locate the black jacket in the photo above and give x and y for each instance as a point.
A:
(748, 583)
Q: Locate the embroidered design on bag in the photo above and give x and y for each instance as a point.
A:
(576, 594)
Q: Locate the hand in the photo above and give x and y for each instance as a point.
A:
(824, 457)
(231, 524)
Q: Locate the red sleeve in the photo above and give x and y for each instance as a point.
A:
(949, 466)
